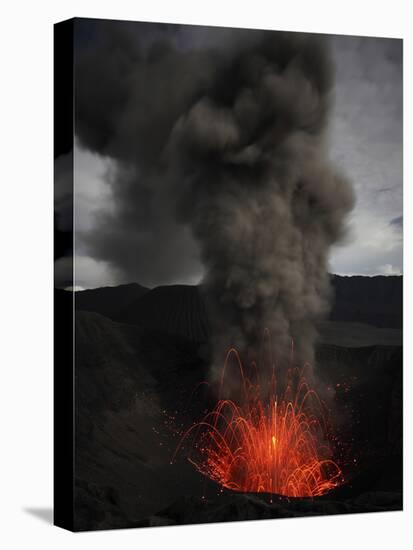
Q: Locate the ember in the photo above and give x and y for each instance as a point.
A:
(266, 443)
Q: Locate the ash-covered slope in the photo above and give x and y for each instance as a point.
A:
(376, 301)
(366, 310)
(133, 390)
(357, 335)
(114, 394)
(175, 309)
(244, 506)
(110, 300)
(128, 382)
(134, 380)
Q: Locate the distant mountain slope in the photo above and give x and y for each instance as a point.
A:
(357, 335)
(180, 310)
(175, 309)
(110, 300)
(377, 301)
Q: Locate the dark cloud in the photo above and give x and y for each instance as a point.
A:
(128, 96)
(63, 219)
(367, 101)
(398, 222)
(219, 152)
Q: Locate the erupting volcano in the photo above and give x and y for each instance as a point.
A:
(267, 443)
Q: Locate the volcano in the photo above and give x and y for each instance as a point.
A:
(137, 391)
(277, 444)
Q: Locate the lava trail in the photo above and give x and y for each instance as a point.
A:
(266, 443)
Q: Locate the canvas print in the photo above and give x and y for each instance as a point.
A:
(228, 274)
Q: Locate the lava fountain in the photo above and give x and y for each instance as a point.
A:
(266, 443)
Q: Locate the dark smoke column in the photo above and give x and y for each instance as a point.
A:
(251, 176)
(231, 143)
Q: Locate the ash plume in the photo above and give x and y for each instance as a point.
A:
(232, 144)
(260, 195)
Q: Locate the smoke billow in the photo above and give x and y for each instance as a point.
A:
(231, 145)
(255, 184)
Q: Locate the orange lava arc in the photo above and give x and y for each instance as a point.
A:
(267, 444)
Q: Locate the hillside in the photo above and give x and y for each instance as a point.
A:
(109, 301)
(135, 392)
(366, 310)
(377, 301)
(175, 309)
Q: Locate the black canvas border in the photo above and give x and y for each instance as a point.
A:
(64, 424)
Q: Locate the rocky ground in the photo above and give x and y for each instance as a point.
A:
(134, 394)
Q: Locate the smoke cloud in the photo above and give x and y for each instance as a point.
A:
(226, 147)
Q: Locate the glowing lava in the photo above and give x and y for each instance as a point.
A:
(267, 444)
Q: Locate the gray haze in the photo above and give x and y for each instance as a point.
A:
(366, 140)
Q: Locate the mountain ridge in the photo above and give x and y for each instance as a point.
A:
(369, 305)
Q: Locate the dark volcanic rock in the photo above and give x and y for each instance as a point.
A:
(357, 335)
(96, 507)
(367, 387)
(377, 301)
(129, 381)
(175, 309)
(369, 307)
(110, 300)
(244, 507)
(133, 387)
